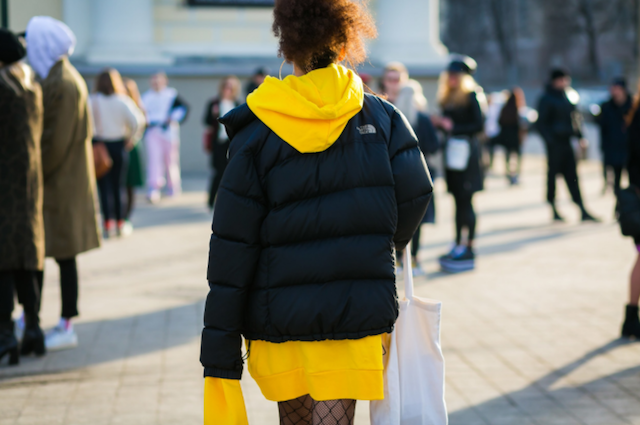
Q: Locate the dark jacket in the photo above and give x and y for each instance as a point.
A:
(219, 148)
(302, 244)
(558, 119)
(633, 160)
(613, 132)
(21, 222)
(467, 123)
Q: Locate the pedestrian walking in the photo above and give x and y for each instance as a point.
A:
(165, 111)
(21, 222)
(559, 122)
(70, 216)
(135, 173)
(118, 123)
(323, 181)
(513, 131)
(631, 325)
(256, 79)
(613, 132)
(462, 120)
(394, 77)
(412, 103)
(217, 140)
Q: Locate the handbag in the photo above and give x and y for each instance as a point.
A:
(628, 210)
(457, 154)
(413, 364)
(101, 159)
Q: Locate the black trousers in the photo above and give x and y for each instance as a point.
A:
(25, 284)
(617, 176)
(465, 216)
(562, 160)
(68, 287)
(110, 186)
(415, 242)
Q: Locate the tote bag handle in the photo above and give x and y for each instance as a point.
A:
(408, 272)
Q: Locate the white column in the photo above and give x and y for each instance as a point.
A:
(122, 33)
(409, 32)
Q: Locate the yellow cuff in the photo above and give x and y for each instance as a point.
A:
(223, 402)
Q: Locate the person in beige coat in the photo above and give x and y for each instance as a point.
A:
(70, 213)
(21, 224)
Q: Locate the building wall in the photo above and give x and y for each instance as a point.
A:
(20, 11)
(202, 31)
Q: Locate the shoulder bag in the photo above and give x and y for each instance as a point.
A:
(413, 363)
(101, 158)
(457, 153)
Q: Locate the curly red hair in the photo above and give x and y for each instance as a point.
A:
(313, 33)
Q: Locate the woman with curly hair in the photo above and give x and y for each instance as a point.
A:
(323, 182)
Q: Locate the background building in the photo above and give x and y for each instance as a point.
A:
(196, 42)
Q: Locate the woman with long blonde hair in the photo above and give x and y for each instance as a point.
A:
(135, 173)
(459, 98)
(217, 141)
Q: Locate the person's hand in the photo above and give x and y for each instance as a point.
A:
(584, 144)
(446, 124)
(129, 145)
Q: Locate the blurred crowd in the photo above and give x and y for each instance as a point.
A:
(63, 148)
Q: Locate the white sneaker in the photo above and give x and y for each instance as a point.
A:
(154, 196)
(60, 338)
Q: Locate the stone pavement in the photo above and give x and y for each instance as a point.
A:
(530, 337)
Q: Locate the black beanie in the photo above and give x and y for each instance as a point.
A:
(559, 73)
(11, 49)
(619, 81)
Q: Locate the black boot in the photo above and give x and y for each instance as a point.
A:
(33, 339)
(631, 325)
(8, 343)
(556, 215)
(588, 217)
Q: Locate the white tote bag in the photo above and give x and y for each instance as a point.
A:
(413, 364)
(457, 154)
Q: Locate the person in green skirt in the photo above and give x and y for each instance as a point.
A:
(135, 175)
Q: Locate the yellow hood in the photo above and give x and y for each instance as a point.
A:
(309, 112)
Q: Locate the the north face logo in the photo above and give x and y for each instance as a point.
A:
(367, 129)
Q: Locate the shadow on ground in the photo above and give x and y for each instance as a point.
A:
(106, 341)
(540, 403)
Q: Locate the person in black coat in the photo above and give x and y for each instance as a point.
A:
(323, 182)
(216, 139)
(462, 120)
(613, 132)
(513, 132)
(631, 325)
(558, 122)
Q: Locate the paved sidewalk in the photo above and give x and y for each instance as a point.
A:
(531, 337)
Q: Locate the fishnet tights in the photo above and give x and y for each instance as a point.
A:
(306, 411)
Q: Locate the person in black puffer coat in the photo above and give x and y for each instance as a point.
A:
(558, 122)
(613, 132)
(631, 325)
(323, 183)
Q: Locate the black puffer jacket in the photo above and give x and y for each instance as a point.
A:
(558, 119)
(302, 244)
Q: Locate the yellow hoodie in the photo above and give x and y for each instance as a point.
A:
(309, 112)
